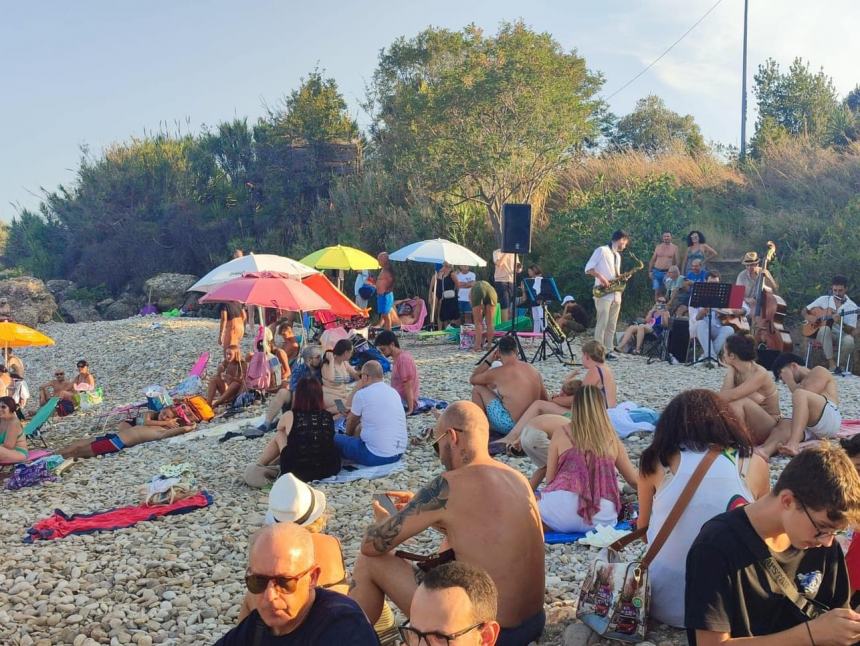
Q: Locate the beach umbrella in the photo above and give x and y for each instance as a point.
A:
(15, 335)
(438, 251)
(340, 258)
(268, 289)
(252, 263)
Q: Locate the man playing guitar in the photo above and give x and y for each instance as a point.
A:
(825, 314)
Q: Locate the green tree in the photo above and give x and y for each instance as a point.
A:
(654, 129)
(316, 112)
(798, 102)
(486, 120)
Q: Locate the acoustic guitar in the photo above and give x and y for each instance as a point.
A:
(822, 316)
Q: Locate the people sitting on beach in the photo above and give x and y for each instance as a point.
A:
(581, 463)
(814, 406)
(144, 427)
(308, 366)
(505, 392)
(672, 284)
(303, 444)
(337, 375)
(404, 372)
(19, 392)
(288, 604)
(733, 585)
(289, 344)
(84, 380)
(228, 382)
(491, 521)
(483, 300)
(376, 423)
(573, 318)
(656, 318)
(598, 374)
(693, 422)
(59, 386)
(749, 388)
(455, 602)
(13, 443)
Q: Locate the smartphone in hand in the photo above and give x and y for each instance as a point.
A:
(341, 408)
(385, 502)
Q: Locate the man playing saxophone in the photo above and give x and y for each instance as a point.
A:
(605, 266)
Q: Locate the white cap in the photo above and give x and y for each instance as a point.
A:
(293, 501)
(567, 299)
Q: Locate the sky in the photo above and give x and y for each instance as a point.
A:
(90, 73)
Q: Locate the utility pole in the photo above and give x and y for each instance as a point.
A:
(744, 88)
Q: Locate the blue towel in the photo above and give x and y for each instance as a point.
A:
(424, 404)
(643, 414)
(556, 538)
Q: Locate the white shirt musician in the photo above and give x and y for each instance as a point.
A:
(825, 314)
(605, 266)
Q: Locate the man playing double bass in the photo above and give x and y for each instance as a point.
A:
(749, 277)
(826, 314)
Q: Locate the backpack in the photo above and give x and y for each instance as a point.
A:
(258, 376)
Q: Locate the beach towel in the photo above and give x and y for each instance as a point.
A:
(560, 538)
(28, 474)
(217, 430)
(352, 472)
(424, 404)
(60, 524)
(849, 428)
(624, 422)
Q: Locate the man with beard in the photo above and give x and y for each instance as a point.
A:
(489, 516)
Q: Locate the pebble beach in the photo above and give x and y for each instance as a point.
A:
(179, 579)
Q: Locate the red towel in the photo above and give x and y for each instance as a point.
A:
(59, 524)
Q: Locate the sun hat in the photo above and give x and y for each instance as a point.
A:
(568, 299)
(750, 258)
(293, 501)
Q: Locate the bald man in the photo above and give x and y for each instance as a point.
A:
(282, 578)
(489, 516)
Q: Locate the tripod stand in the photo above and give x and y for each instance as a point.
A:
(513, 331)
(554, 339)
(709, 295)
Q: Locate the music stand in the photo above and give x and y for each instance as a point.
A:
(710, 295)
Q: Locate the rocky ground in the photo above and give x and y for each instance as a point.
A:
(178, 580)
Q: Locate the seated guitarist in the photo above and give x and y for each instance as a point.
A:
(706, 321)
(823, 316)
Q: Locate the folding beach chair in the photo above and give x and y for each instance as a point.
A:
(419, 310)
(34, 427)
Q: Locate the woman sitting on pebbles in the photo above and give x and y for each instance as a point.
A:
(303, 444)
(229, 380)
(337, 374)
(13, 443)
(146, 427)
(693, 422)
(584, 454)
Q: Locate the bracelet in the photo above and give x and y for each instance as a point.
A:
(809, 630)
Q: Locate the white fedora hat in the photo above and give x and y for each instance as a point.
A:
(293, 501)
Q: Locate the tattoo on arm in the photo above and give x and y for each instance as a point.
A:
(431, 498)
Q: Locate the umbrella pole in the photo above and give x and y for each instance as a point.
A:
(340, 279)
(431, 296)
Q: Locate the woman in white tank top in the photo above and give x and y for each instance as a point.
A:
(691, 423)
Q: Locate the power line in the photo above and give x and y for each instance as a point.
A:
(668, 49)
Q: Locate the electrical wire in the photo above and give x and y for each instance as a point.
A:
(668, 49)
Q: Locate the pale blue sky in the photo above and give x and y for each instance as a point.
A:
(95, 72)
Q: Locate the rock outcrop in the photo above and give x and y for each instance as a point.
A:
(168, 290)
(30, 300)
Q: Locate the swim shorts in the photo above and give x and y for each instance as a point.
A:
(104, 444)
(828, 424)
(384, 302)
(500, 419)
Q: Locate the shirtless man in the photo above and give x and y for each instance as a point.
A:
(504, 393)
(665, 255)
(59, 386)
(384, 291)
(814, 400)
(229, 379)
(489, 516)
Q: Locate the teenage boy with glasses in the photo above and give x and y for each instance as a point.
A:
(746, 565)
(289, 608)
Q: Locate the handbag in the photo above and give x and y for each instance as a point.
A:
(449, 293)
(615, 594)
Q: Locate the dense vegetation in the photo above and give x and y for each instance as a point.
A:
(463, 122)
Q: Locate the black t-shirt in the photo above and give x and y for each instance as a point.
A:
(729, 591)
(233, 309)
(334, 619)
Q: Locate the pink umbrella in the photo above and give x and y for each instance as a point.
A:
(268, 289)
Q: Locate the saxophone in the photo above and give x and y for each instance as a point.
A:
(618, 284)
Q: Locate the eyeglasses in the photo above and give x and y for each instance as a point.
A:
(819, 532)
(59, 374)
(414, 637)
(257, 583)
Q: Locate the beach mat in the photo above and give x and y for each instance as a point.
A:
(560, 538)
(217, 430)
(424, 405)
(352, 472)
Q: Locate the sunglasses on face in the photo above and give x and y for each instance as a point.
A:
(435, 440)
(257, 583)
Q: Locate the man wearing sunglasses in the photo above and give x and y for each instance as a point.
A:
(59, 386)
(489, 516)
(289, 609)
(772, 570)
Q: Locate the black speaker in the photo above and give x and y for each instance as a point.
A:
(679, 339)
(517, 228)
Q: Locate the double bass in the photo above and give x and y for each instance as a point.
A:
(770, 310)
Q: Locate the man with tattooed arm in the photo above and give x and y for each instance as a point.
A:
(490, 520)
